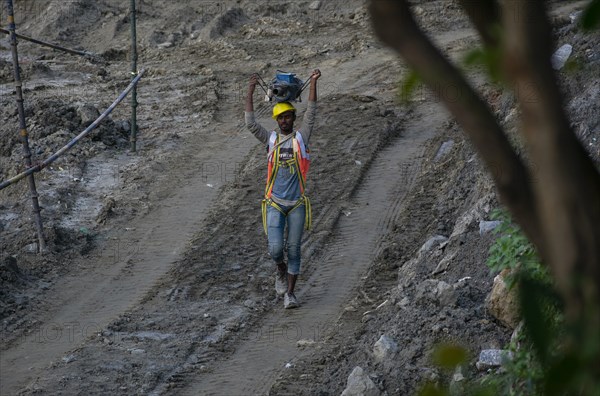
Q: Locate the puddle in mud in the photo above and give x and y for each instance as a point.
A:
(100, 178)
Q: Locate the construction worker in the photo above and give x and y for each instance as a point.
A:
(285, 201)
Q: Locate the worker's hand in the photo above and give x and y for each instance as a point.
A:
(253, 82)
(314, 76)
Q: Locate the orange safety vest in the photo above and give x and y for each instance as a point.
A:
(299, 163)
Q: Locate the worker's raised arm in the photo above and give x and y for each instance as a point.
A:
(312, 95)
(310, 115)
(254, 127)
(250, 96)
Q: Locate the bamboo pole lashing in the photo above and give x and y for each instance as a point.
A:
(38, 167)
(50, 45)
(134, 57)
(23, 128)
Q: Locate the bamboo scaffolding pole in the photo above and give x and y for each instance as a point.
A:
(54, 46)
(38, 167)
(23, 128)
(134, 58)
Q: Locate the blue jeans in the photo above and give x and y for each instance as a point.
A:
(275, 233)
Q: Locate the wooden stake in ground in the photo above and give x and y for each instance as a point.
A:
(133, 137)
(23, 127)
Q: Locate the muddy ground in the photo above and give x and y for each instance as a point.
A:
(157, 279)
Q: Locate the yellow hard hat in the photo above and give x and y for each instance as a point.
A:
(282, 107)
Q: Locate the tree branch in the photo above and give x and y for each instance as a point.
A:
(568, 189)
(395, 25)
(485, 15)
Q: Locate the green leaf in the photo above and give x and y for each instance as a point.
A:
(409, 84)
(591, 16)
(487, 57)
(499, 214)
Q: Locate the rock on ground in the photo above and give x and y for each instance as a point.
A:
(384, 348)
(503, 303)
(490, 358)
(359, 384)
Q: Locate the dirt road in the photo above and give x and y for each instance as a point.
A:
(131, 262)
(132, 257)
(120, 275)
(257, 362)
(128, 264)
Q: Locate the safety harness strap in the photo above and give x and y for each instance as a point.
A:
(274, 171)
(294, 165)
(300, 175)
(302, 201)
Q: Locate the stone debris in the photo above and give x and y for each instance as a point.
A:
(434, 241)
(488, 226)
(445, 263)
(443, 150)
(359, 384)
(492, 358)
(560, 57)
(31, 248)
(404, 302)
(69, 358)
(87, 113)
(305, 343)
(436, 291)
(445, 294)
(315, 5)
(384, 348)
(503, 303)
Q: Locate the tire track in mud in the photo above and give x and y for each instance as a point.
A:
(254, 366)
(118, 276)
(79, 307)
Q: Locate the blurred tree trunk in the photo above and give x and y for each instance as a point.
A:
(560, 211)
